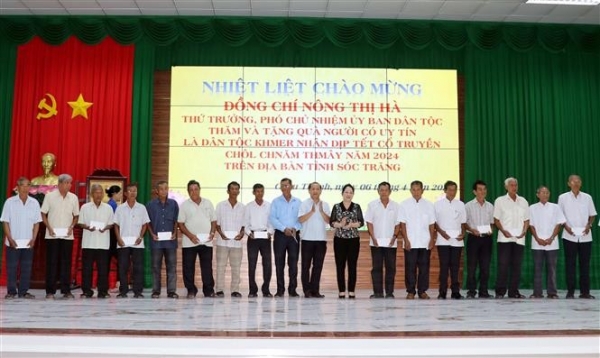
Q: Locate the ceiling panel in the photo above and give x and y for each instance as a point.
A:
(344, 14)
(428, 8)
(270, 5)
(534, 10)
(119, 11)
(459, 10)
(233, 12)
(42, 4)
(356, 5)
(391, 7)
(502, 8)
(127, 4)
(460, 7)
(80, 4)
(523, 18)
(316, 5)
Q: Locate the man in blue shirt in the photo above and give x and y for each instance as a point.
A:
(284, 218)
(163, 213)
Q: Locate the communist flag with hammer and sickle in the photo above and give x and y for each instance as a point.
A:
(73, 100)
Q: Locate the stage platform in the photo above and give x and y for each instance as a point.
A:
(299, 327)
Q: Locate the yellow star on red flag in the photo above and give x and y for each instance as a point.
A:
(80, 107)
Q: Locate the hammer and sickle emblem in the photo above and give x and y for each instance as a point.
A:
(50, 110)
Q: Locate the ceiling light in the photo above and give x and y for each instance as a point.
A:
(565, 2)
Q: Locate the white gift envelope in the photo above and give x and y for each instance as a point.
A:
(383, 242)
(203, 238)
(453, 233)
(231, 234)
(61, 232)
(515, 232)
(484, 229)
(129, 240)
(22, 244)
(97, 224)
(164, 236)
(578, 231)
(261, 235)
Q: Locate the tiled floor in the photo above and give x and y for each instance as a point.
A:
(298, 326)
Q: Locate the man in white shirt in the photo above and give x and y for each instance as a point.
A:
(511, 217)
(383, 224)
(314, 217)
(21, 221)
(580, 212)
(96, 220)
(198, 223)
(480, 218)
(450, 218)
(546, 219)
(230, 226)
(60, 211)
(131, 221)
(260, 233)
(417, 222)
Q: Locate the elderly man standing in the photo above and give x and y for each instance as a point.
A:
(314, 216)
(511, 216)
(545, 224)
(96, 220)
(21, 220)
(131, 221)
(60, 211)
(580, 212)
(383, 225)
(163, 213)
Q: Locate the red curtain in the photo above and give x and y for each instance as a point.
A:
(48, 78)
(102, 74)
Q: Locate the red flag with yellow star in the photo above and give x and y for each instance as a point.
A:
(73, 100)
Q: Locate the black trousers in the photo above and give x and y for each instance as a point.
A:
(283, 245)
(380, 257)
(479, 254)
(510, 257)
(101, 258)
(134, 257)
(449, 262)
(313, 254)
(188, 258)
(416, 282)
(58, 251)
(346, 252)
(262, 246)
(573, 251)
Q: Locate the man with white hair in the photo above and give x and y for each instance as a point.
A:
(578, 208)
(96, 220)
(546, 221)
(511, 217)
(60, 211)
